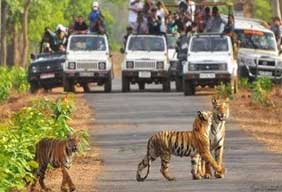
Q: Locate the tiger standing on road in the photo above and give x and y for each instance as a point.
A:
(186, 143)
(217, 135)
(59, 153)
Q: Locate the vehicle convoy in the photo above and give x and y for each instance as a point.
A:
(174, 70)
(88, 60)
(258, 54)
(210, 62)
(46, 71)
(146, 61)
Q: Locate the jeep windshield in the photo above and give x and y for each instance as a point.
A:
(87, 43)
(209, 44)
(252, 39)
(143, 43)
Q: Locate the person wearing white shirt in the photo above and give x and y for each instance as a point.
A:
(135, 6)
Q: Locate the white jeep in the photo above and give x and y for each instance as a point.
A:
(210, 62)
(146, 61)
(258, 54)
(88, 60)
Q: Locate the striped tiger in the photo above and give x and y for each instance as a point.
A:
(217, 135)
(184, 144)
(59, 153)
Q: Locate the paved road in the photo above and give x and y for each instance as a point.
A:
(125, 122)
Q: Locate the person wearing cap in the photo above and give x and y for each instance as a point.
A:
(94, 15)
(59, 37)
(215, 22)
(129, 31)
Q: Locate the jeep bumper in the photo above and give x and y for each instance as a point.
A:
(214, 79)
(89, 76)
(153, 76)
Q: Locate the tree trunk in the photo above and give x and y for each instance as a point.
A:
(25, 33)
(4, 13)
(248, 8)
(16, 47)
(276, 5)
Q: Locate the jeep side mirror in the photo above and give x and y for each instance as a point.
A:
(122, 50)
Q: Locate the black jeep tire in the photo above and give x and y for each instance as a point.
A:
(68, 85)
(33, 88)
(189, 88)
(108, 85)
(166, 85)
(86, 88)
(179, 84)
(125, 84)
(141, 86)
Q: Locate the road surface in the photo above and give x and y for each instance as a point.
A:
(124, 122)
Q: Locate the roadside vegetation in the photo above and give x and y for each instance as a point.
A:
(43, 118)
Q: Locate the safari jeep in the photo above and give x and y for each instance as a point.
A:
(258, 54)
(88, 60)
(210, 62)
(146, 61)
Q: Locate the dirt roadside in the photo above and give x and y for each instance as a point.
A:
(263, 123)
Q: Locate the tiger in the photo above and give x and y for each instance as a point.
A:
(59, 153)
(180, 143)
(220, 113)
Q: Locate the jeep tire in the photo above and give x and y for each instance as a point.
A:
(178, 84)
(33, 88)
(189, 88)
(141, 86)
(108, 85)
(166, 85)
(125, 84)
(68, 84)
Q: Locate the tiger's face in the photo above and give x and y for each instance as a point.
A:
(220, 109)
(73, 143)
(203, 121)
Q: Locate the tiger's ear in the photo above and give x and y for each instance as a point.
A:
(200, 114)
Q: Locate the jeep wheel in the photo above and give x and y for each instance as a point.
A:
(33, 88)
(188, 87)
(68, 85)
(179, 84)
(125, 84)
(166, 85)
(141, 86)
(108, 85)
(86, 88)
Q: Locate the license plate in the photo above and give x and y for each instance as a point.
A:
(265, 73)
(143, 74)
(86, 74)
(207, 75)
(47, 76)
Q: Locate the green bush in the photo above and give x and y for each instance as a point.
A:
(244, 83)
(14, 78)
(224, 91)
(44, 118)
(261, 89)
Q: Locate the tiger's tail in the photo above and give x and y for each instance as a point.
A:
(138, 177)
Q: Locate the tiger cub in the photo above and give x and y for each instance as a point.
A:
(59, 153)
(186, 143)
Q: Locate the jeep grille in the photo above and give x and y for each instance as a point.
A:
(266, 63)
(208, 67)
(87, 65)
(145, 64)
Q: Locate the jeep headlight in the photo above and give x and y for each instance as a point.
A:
(34, 69)
(160, 64)
(192, 67)
(71, 65)
(102, 65)
(222, 67)
(249, 61)
(129, 64)
(279, 64)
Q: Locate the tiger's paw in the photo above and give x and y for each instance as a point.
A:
(208, 176)
(169, 178)
(196, 177)
(219, 175)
